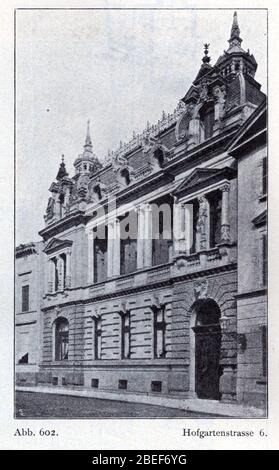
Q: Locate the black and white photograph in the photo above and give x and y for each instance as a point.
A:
(141, 183)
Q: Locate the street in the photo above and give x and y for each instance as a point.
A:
(46, 405)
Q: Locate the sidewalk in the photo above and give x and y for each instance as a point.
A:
(190, 404)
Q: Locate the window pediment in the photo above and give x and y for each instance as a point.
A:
(201, 178)
(260, 219)
(57, 244)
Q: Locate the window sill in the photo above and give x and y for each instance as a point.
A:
(26, 312)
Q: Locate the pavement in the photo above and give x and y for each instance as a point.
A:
(211, 407)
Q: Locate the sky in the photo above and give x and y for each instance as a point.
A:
(119, 69)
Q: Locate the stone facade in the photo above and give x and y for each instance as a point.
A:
(155, 313)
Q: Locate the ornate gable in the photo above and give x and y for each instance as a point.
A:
(202, 177)
(56, 244)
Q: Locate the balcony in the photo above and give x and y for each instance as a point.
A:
(180, 265)
(207, 259)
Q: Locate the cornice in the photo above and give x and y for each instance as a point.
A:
(63, 224)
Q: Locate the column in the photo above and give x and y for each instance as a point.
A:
(225, 226)
(110, 251)
(188, 227)
(203, 224)
(140, 241)
(176, 226)
(116, 249)
(68, 269)
(147, 236)
(51, 274)
(90, 257)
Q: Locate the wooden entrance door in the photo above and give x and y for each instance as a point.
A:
(207, 357)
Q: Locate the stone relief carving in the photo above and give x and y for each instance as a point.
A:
(202, 223)
(82, 186)
(200, 289)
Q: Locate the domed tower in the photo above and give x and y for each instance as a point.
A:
(235, 59)
(87, 162)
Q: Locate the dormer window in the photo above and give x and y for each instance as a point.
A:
(126, 176)
(159, 156)
(207, 121)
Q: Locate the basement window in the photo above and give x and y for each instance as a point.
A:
(95, 383)
(122, 384)
(156, 386)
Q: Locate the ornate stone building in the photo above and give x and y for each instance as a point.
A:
(182, 314)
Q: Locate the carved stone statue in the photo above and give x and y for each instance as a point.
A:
(202, 223)
(50, 207)
(219, 94)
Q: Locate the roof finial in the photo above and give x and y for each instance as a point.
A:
(206, 58)
(62, 172)
(235, 38)
(88, 138)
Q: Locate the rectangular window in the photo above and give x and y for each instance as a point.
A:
(264, 176)
(264, 259)
(95, 383)
(56, 279)
(125, 335)
(215, 204)
(159, 333)
(100, 257)
(162, 231)
(195, 204)
(25, 298)
(156, 386)
(122, 384)
(128, 243)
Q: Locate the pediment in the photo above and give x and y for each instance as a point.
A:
(56, 244)
(202, 177)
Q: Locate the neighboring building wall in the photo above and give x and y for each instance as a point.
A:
(28, 332)
(252, 301)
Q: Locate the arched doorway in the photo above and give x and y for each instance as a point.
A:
(207, 341)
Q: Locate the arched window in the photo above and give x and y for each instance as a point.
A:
(126, 176)
(61, 339)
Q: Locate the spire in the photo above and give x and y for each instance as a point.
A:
(88, 138)
(62, 172)
(235, 39)
(88, 143)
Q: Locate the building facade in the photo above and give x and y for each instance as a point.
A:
(28, 316)
(154, 262)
